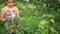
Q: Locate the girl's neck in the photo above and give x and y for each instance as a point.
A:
(10, 6)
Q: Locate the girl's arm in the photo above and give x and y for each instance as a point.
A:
(17, 12)
(2, 14)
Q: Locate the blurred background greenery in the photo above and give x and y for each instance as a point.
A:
(40, 16)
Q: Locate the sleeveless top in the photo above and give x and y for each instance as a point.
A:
(10, 14)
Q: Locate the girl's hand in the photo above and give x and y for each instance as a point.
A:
(21, 19)
(3, 19)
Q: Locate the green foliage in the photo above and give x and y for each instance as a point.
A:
(39, 17)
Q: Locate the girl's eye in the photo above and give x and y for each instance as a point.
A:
(10, 2)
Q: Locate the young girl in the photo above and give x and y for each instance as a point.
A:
(9, 11)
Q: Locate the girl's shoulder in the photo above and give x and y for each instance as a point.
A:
(4, 8)
(15, 7)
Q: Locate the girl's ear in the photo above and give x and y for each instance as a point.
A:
(14, 5)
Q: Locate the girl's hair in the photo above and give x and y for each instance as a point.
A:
(7, 0)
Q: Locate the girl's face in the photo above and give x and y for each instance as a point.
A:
(10, 3)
